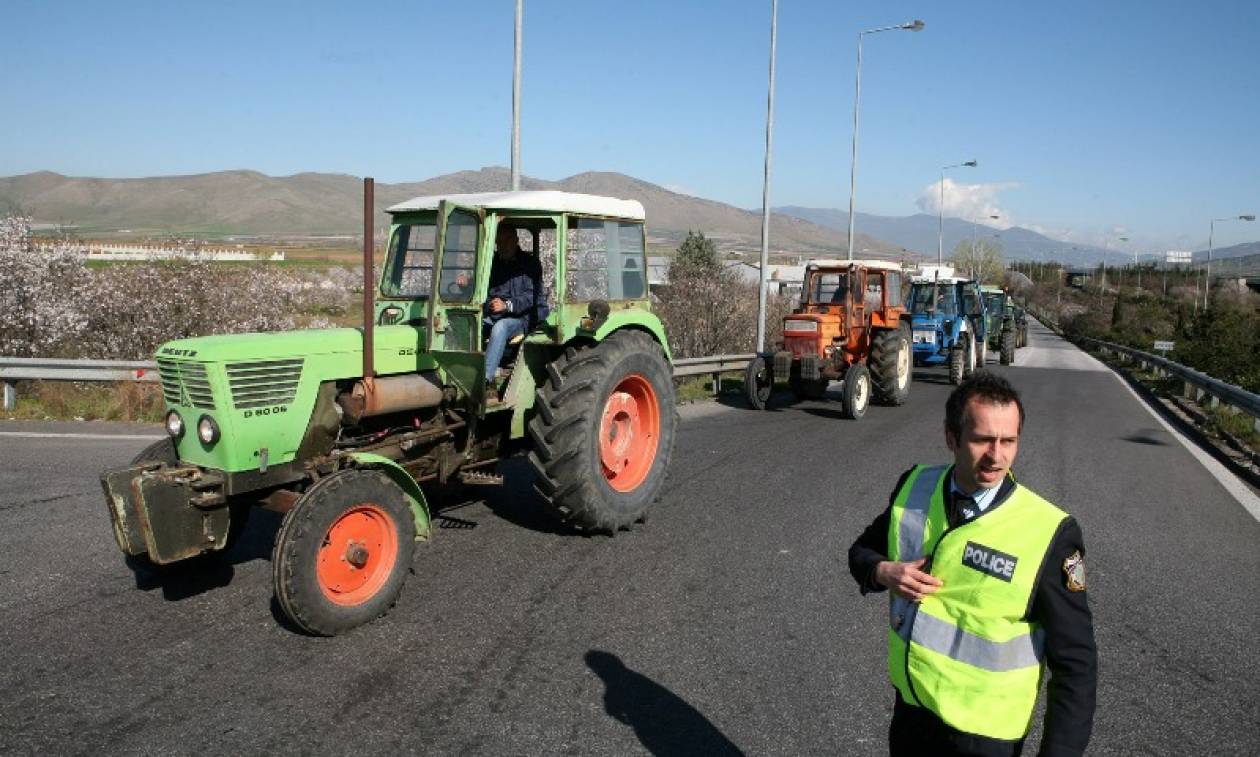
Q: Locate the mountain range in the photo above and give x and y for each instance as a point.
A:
(249, 203)
(316, 204)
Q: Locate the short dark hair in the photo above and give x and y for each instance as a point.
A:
(988, 387)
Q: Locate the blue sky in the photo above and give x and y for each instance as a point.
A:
(1088, 119)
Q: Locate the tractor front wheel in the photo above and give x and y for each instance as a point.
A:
(758, 382)
(890, 366)
(603, 431)
(343, 552)
(857, 391)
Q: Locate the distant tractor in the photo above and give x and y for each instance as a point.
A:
(1002, 325)
(339, 429)
(947, 316)
(851, 326)
(1021, 325)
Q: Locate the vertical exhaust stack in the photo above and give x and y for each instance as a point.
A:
(369, 278)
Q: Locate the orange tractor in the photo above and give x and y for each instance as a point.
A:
(851, 326)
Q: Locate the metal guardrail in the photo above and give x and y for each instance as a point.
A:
(21, 368)
(53, 369)
(1197, 385)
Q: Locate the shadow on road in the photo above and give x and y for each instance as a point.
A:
(663, 721)
(189, 578)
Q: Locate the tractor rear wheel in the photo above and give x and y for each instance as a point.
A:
(758, 382)
(857, 391)
(603, 431)
(958, 359)
(343, 552)
(1008, 346)
(890, 366)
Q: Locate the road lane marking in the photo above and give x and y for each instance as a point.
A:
(40, 435)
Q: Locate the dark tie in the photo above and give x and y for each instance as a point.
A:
(967, 507)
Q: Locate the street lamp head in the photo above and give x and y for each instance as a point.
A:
(1247, 217)
(913, 26)
(970, 164)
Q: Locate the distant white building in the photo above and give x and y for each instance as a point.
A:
(780, 279)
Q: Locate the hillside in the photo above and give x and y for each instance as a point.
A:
(314, 204)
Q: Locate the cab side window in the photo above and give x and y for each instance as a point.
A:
(604, 260)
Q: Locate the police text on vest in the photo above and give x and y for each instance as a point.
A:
(989, 561)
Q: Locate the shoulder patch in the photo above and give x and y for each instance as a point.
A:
(1074, 569)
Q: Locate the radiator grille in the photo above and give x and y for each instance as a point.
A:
(264, 383)
(185, 384)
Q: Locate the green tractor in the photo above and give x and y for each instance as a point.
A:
(339, 429)
(1004, 333)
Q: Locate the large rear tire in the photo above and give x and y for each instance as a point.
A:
(958, 359)
(343, 552)
(890, 366)
(603, 431)
(758, 382)
(857, 391)
(1008, 346)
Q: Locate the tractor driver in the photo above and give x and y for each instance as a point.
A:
(516, 301)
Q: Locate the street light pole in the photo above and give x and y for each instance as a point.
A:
(913, 26)
(1207, 277)
(516, 99)
(940, 215)
(765, 187)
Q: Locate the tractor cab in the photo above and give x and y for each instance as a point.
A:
(947, 315)
(850, 327)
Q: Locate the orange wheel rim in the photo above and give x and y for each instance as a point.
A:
(357, 555)
(629, 432)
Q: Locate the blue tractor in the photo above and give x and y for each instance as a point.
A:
(948, 322)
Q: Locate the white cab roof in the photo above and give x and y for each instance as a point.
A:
(546, 200)
(889, 265)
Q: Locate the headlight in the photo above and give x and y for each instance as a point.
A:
(207, 430)
(174, 425)
(800, 325)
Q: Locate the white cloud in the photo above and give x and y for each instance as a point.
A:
(970, 202)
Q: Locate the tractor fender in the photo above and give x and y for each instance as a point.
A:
(415, 497)
(635, 319)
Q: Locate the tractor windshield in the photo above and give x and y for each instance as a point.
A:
(995, 302)
(828, 288)
(927, 298)
(409, 270)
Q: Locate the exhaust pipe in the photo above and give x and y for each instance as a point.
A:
(369, 279)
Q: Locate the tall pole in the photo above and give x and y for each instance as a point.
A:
(1207, 278)
(516, 99)
(914, 26)
(940, 215)
(857, 104)
(765, 186)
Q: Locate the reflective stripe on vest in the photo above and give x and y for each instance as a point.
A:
(968, 642)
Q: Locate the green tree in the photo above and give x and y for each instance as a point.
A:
(697, 253)
(982, 260)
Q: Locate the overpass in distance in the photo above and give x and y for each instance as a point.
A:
(726, 624)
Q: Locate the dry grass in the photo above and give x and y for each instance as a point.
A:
(72, 400)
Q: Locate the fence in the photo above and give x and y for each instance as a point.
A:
(19, 368)
(1195, 385)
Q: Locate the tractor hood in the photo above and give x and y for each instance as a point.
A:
(396, 349)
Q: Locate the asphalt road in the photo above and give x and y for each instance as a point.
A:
(727, 623)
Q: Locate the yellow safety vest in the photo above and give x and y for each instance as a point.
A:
(965, 652)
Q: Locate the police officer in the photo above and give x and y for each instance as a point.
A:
(986, 582)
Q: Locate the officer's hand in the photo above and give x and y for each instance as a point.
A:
(907, 579)
(497, 305)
